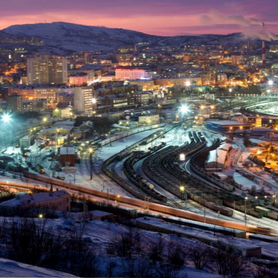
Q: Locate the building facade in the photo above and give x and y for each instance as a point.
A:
(83, 100)
(46, 69)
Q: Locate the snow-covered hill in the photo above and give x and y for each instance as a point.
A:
(73, 37)
(60, 37)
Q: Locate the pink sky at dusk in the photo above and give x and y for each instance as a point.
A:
(159, 17)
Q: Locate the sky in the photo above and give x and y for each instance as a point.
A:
(158, 17)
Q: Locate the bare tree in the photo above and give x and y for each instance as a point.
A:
(157, 250)
(228, 260)
(200, 256)
(125, 245)
(166, 271)
(176, 256)
(263, 272)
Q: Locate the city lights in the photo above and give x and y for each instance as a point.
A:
(161, 144)
(6, 118)
(184, 109)
(270, 82)
(187, 83)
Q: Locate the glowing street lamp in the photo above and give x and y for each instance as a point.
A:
(187, 83)
(6, 118)
(245, 210)
(184, 109)
(91, 150)
(44, 119)
(182, 191)
(270, 82)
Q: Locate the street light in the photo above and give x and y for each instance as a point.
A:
(118, 196)
(184, 109)
(187, 83)
(270, 82)
(45, 120)
(91, 150)
(274, 197)
(245, 210)
(182, 188)
(6, 118)
(182, 191)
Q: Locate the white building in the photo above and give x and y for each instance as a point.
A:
(83, 100)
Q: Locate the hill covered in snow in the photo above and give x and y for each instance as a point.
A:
(65, 38)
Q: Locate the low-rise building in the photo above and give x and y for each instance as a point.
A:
(67, 156)
(58, 200)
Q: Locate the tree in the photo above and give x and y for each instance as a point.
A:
(228, 260)
(199, 256)
(175, 256)
(156, 252)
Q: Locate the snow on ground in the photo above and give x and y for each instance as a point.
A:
(244, 182)
(9, 268)
(100, 181)
(100, 234)
(268, 248)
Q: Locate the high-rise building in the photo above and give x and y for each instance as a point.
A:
(46, 69)
(15, 102)
(83, 101)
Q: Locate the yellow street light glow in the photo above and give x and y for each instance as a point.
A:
(182, 188)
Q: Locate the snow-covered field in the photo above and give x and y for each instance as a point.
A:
(10, 268)
(101, 233)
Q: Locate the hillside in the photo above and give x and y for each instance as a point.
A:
(66, 38)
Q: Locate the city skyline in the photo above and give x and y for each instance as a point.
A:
(165, 17)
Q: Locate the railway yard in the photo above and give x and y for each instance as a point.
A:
(160, 176)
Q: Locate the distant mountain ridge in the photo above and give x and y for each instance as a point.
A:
(66, 38)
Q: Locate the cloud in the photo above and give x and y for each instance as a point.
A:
(250, 27)
(160, 17)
